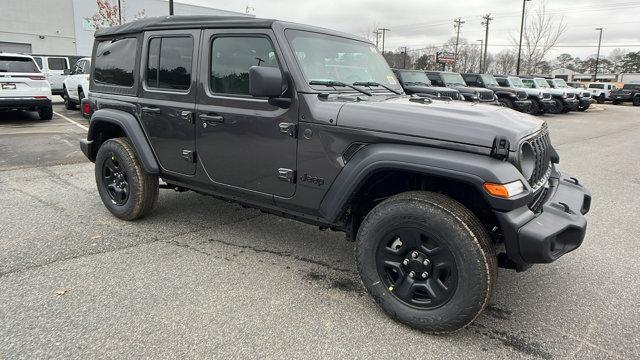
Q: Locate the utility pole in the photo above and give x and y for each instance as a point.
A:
(487, 19)
(377, 38)
(480, 67)
(457, 23)
(384, 32)
(170, 7)
(119, 13)
(404, 58)
(524, 4)
(595, 73)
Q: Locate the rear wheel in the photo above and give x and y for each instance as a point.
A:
(426, 260)
(125, 189)
(80, 95)
(600, 99)
(46, 113)
(68, 103)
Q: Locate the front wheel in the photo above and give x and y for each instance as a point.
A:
(68, 103)
(535, 108)
(636, 101)
(125, 188)
(426, 260)
(600, 99)
(558, 107)
(506, 103)
(584, 108)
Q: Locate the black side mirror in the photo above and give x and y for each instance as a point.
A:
(67, 71)
(267, 82)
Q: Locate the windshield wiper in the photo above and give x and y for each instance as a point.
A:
(373, 83)
(332, 83)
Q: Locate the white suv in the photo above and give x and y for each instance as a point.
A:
(601, 91)
(23, 86)
(53, 68)
(76, 85)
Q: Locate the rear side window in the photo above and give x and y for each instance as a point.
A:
(57, 63)
(115, 62)
(169, 63)
(231, 58)
(596, 86)
(17, 65)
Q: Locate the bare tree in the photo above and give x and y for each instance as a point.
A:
(541, 33)
(108, 14)
(505, 62)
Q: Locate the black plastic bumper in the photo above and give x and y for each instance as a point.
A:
(547, 104)
(585, 102)
(24, 103)
(522, 105)
(558, 229)
(571, 104)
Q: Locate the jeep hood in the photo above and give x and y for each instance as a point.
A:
(449, 121)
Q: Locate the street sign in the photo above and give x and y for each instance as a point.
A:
(443, 57)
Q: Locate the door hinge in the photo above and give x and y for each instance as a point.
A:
(287, 175)
(189, 155)
(288, 129)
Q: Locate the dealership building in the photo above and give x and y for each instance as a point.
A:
(60, 27)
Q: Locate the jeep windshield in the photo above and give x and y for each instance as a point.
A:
(452, 79)
(327, 58)
(560, 83)
(489, 80)
(517, 82)
(414, 78)
(542, 83)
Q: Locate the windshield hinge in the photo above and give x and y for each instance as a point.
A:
(500, 148)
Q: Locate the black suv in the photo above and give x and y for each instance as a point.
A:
(511, 98)
(455, 81)
(629, 92)
(416, 82)
(312, 125)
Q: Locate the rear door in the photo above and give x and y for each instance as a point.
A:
(55, 74)
(244, 142)
(167, 100)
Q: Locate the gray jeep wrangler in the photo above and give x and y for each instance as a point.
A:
(311, 124)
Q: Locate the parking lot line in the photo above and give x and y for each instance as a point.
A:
(72, 121)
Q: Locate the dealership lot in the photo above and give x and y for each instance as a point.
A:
(201, 277)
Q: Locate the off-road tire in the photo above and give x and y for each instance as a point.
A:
(45, 113)
(464, 236)
(636, 101)
(616, 102)
(559, 108)
(68, 103)
(506, 102)
(535, 108)
(80, 95)
(600, 99)
(584, 108)
(142, 187)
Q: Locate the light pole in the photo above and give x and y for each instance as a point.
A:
(524, 3)
(487, 19)
(481, 42)
(170, 7)
(595, 72)
(119, 13)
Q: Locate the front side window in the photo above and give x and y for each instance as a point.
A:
(231, 58)
(453, 79)
(323, 57)
(115, 62)
(17, 65)
(631, 86)
(77, 68)
(169, 63)
(57, 63)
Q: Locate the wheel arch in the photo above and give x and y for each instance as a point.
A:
(106, 124)
(398, 168)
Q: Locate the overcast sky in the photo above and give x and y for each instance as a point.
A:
(418, 23)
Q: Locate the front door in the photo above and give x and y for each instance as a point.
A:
(243, 142)
(167, 101)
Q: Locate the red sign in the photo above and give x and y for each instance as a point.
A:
(445, 57)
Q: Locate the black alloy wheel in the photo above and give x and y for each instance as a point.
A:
(115, 180)
(417, 268)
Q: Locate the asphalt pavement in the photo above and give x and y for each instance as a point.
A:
(203, 278)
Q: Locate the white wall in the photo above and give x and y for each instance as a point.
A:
(45, 24)
(86, 8)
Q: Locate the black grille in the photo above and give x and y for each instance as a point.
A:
(540, 144)
(486, 96)
(538, 201)
(571, 96)
(451, 94)
(546, 95)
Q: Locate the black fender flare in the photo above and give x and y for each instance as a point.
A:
(473, 169)
(132, 129)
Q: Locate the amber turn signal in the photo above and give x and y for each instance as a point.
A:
(504, 190)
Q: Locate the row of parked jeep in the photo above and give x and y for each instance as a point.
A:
(526, 94)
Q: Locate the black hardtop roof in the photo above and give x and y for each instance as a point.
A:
(209, 21)
(408, 70)
(184, 21)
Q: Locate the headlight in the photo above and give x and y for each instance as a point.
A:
(512, 95)
(462, 97)
(540, 95)
(527, 159)
(564, 95)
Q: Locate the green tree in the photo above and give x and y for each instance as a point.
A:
(631, 62)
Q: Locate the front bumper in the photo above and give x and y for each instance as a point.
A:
(547, 104)
(621, 97)
(583, 102)
(571, 104)
(24, 103)
(87, 149)
(557, 229)
(522, 105)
